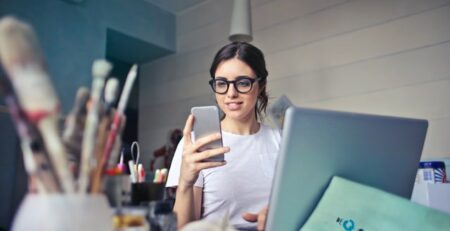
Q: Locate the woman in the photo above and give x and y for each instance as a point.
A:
(240, 186)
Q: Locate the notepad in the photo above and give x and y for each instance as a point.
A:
(347, 205)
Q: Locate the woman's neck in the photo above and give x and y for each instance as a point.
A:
(240, 127)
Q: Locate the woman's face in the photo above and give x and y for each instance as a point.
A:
(236, 105)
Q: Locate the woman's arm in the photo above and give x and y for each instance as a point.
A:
(188, 200)
(188, 203)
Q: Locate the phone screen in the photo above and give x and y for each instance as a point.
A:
(207, 122)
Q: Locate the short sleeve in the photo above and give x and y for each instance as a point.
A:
(175, 168)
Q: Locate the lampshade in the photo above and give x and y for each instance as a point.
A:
(241, 22)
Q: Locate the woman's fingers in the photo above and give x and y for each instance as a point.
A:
(206, 165)
(198, 157)
(187, 130)
(188, 144)
(205, 140)
(262, 219)
(192, 162)
(250, 217)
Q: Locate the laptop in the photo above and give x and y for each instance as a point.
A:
(379, 151)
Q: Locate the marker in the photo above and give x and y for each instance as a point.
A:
(133, 174)
(141, 173)
(163, 175)
(156, 177)
(120, 165)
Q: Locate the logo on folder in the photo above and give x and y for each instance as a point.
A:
(348, 224)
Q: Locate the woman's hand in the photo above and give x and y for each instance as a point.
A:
(260, 218)
(192, 161)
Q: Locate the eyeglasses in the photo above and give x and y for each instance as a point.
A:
(242, 84)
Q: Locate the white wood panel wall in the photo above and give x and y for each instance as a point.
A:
(389, 57)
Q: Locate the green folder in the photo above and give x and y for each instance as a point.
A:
(351, 206)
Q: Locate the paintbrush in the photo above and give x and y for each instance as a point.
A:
(119, 117)
(119, 114)
(110, 95)
(100, 70)
(74, 126)
(25, 66)
(35, 160)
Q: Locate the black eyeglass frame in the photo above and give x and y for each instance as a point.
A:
(252, 81)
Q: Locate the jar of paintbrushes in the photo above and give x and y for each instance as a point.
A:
(67, 164)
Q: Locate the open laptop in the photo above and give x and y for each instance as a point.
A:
(379, 151)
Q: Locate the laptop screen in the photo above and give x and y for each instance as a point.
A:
(379, 151)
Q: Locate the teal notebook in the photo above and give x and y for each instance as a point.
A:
(351, 206)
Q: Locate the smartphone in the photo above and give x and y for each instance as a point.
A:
(207, 122)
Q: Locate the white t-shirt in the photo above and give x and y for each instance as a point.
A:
(243, 184)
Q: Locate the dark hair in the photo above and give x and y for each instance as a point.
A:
(253, 57)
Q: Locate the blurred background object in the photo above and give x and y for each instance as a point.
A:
(167, 151)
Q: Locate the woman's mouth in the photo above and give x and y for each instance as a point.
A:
(234, 105)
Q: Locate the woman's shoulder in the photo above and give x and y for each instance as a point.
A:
(268, 130)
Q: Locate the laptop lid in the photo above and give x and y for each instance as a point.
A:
(379, 151)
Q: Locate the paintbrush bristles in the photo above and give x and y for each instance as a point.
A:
(111, 90)
(17, 41)
(101, 68)
(22, 60)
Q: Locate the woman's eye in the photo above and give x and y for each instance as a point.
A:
(244, 83)
(221, 84)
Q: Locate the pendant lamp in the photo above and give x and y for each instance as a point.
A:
(241, 22)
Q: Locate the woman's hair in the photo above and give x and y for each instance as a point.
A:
(254, 58)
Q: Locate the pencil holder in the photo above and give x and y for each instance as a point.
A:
(146, 191)
(57, 212)
(117, 189)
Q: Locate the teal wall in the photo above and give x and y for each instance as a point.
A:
(72, 36)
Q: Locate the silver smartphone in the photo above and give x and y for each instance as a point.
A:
(207, 122)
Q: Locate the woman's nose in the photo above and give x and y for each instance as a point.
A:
(232, 92)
